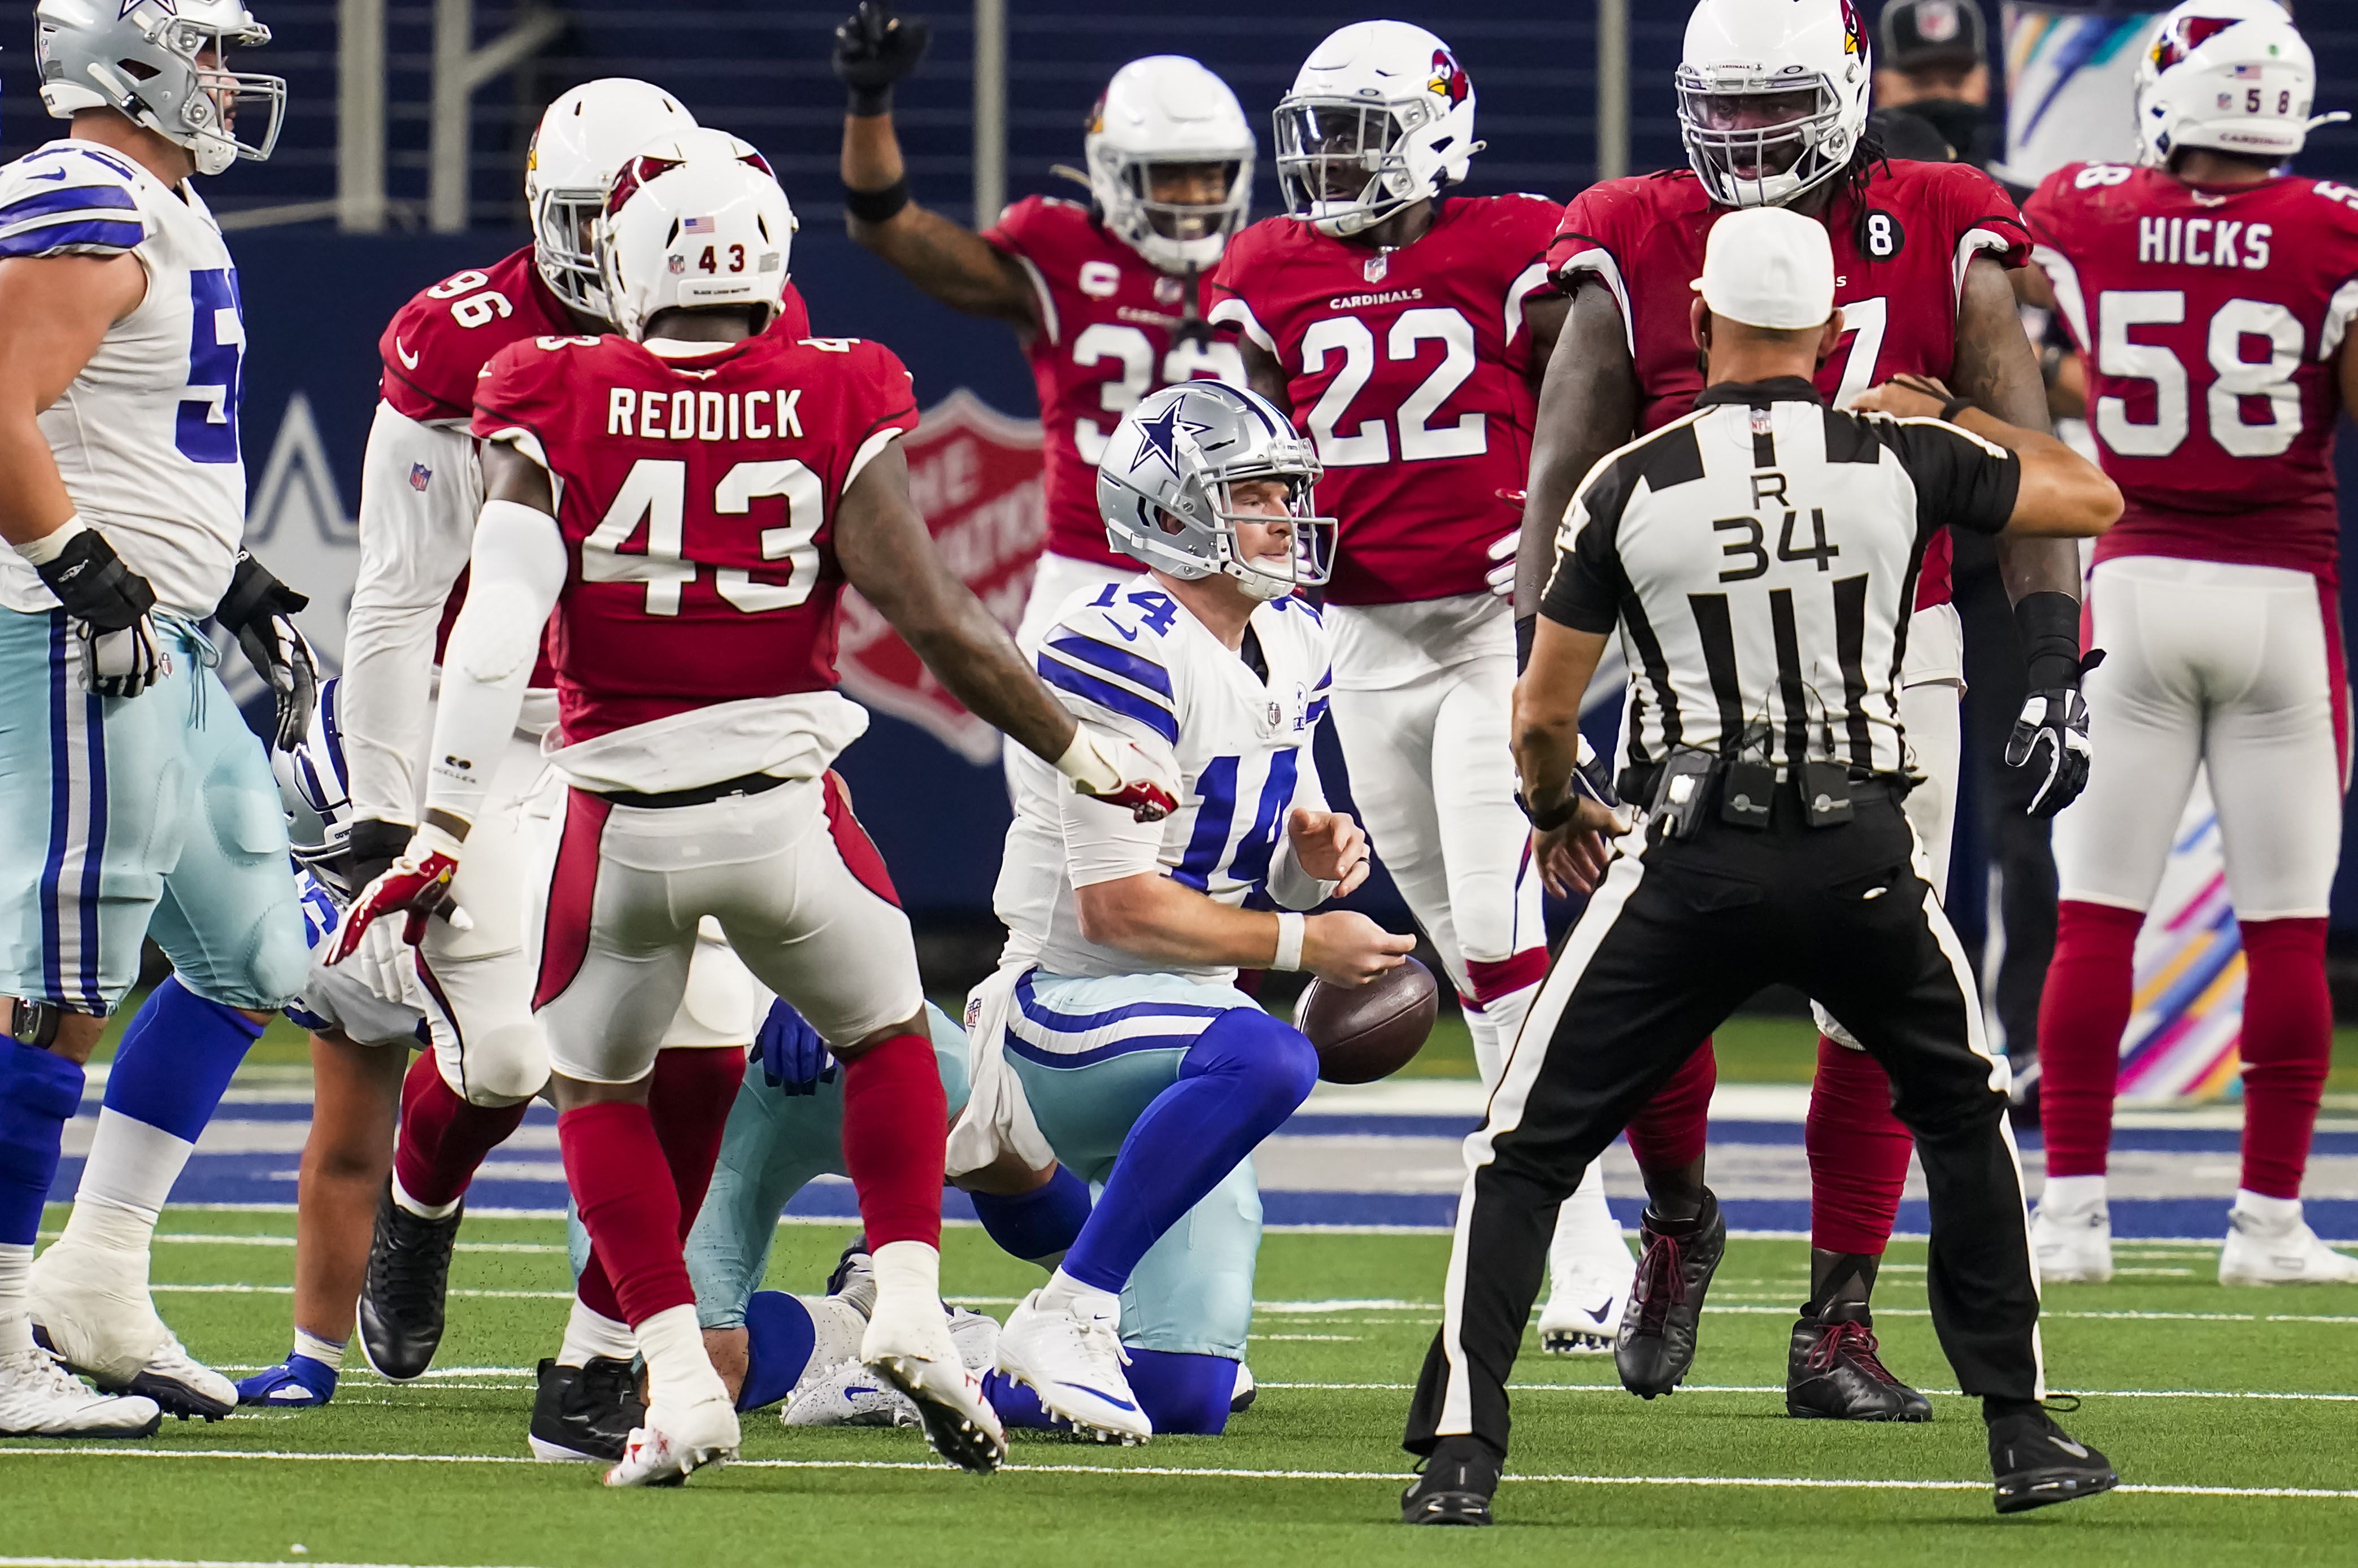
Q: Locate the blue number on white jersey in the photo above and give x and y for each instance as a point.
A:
(207, 431)
(1217, 855)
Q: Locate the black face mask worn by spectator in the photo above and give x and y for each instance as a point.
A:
(1958, 122)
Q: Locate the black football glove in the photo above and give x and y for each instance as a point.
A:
(108, 603)
(373, 847)
(260, 612)
(2050, 742)
(874, 49)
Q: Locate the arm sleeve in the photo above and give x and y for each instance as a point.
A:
(515, 574)
(1961, 479)
(420, 490)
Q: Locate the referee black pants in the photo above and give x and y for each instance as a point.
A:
(1679, 935)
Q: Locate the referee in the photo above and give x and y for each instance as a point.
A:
(1759, 559)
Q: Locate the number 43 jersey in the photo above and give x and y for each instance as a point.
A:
(694, 639)
(2211, 323)
(145, 437)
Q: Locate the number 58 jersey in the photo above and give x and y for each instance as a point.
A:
(694, 639)
(2210, 321)
(145, 437)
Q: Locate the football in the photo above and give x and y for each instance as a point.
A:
(1369, 1031)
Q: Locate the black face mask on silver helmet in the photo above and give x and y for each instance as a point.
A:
(1166, 484)
(143, 60)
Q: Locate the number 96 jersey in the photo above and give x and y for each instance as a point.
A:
(697, 496)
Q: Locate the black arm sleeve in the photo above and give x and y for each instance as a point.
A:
(1961, 479)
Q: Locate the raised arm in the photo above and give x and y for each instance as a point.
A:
(1588, 406)
(1998, 370)
(2060, 495)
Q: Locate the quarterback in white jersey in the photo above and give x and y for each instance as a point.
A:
(139, 803)
(1113, 1041)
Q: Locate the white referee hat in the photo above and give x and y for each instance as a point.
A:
(1767, 266)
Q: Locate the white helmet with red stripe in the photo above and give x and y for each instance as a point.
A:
(2234, 76)
(1379, 117)
(579, 147)
(694, 233)
(1772, 96)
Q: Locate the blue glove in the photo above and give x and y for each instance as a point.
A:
(793, 1056)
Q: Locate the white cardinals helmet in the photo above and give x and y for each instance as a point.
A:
(694, 233)
(1772, 97)
(139, 59)
(578, 149)
(2234, 76)
(1381, 116)
(1164, 109)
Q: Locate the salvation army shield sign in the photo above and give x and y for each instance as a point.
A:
(976, 476)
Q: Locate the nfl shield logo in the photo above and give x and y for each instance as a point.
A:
(1166, 291)
(1374, 268)
(1761, 422)
(420, 476)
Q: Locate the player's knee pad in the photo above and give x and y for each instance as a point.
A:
(1182, 1395)
(502, 1065)
(1273, 1059)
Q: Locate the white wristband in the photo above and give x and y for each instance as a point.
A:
(1290, 932)
(40, 552)
(1085, 763)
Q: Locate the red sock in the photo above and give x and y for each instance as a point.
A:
(2288, 1046)
(1670, 1133)
(596, 1290)
(689, 1100)
(443, 1137)
(615, 1166)
(895, 1121)
(2081, 1017)
(1858, 1152)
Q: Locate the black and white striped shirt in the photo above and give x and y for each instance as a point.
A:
(1760, 557)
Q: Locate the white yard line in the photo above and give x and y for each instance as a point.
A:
(304, 1561)
(1780, 1388)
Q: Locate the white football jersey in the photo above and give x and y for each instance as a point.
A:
(1131, 658)
(145, 437)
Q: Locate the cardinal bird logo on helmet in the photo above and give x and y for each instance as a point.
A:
(1449, 79)
(1854, 35)
(2183, 36)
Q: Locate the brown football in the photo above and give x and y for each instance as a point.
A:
(1369, 1031)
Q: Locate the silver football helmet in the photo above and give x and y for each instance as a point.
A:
(140, 59)
(315, 789)
(1165, 481)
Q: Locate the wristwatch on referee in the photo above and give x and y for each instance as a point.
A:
(1547, 820)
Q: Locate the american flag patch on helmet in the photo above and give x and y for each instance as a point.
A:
(699, 226)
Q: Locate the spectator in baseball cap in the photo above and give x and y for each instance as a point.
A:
(1931, 72)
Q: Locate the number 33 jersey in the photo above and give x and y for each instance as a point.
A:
(145, 437)
(697, 496)
(2209, 322)
(1899, 269)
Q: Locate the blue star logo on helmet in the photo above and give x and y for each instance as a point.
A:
(1161, 433)
(169, 7)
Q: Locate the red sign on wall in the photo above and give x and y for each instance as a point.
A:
(976, 476)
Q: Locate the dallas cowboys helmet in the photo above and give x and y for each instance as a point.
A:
(1164, 485)
(139, 58)
(316, 791)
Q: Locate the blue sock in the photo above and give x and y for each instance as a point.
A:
(176, 1060)
(1040, 1226)
(39, 1092)
(779, 1341)
(1019, 1406)
(297, 1381)
(1240, 1081)
(1182, 1395)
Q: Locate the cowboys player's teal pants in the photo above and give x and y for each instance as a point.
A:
(1192, 1294)
(128, 817)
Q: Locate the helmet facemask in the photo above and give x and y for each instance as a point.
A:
(565, 235)
(1175, 236)
(1757, 140)
(1340, 164)
(1313, 556)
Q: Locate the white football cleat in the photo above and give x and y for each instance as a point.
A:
(849, 1395)
(976, 1339)
(2286, 1253)
(2071, 1246)
(40, 1399)
(909, 1346)
(1592, 1280)
(90, 1306)
(1073, 1361)
(677, 1442)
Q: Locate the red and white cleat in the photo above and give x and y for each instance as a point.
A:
(677, 1442)
(910, 1346)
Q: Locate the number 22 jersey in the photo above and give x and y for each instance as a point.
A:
(2210, 321)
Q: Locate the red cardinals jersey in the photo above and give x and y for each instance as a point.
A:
(1898, 270)
(697, 498)
(1410, 369)
(2210, 321)
(1109, 335)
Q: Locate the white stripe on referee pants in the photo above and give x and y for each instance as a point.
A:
(1528, 1055)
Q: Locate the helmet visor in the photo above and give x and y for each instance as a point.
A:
(1332, 154)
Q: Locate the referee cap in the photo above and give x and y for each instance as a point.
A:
(1767, 266)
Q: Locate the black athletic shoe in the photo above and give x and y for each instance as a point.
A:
(1833, 1374)
(586, 1412)
(2037, 1463)
(401, 1298)
(1454, 1486)
(1657, 1343)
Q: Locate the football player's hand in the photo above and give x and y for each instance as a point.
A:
(260, 611)
(1118, 772)
(1329, 846)
(1572, 858)
(1501, 575)
(122, 663)
(2049, 743)
(1344, 948)
(416, 886)
(1904, 397)
(108, 603)
(793, 1056)
(874, 49)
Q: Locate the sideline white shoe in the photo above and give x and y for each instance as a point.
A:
(90, 1306)
(677, 1442)
(2287, 1252)
(40, 1399)
(1073, 1361)
(910, 1346)
(2071, 1246)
